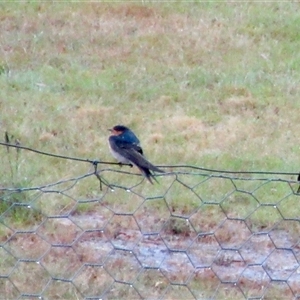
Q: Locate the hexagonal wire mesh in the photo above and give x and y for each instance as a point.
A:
(198, 234)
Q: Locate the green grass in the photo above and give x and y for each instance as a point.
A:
(210, 84)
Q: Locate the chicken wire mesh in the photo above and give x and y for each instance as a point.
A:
(198, 234)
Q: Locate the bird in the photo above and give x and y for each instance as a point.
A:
(125, 147)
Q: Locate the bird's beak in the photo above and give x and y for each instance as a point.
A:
(110, 129)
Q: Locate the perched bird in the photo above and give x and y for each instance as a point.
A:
(125, 147)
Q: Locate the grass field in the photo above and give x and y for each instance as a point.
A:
(212, 84)
(201, 84)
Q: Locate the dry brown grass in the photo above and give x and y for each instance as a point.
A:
(185, 56)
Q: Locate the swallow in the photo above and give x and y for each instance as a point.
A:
(125, 147)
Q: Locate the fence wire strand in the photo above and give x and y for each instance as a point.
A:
(198, 234)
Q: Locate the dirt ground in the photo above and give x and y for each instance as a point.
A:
(94, 255)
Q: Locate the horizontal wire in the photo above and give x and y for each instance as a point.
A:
(95, 162)
(57, 155)
(228, 171)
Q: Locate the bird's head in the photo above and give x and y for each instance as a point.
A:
(118, 129)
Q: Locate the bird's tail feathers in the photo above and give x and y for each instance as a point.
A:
(156, 169)
(146, 172)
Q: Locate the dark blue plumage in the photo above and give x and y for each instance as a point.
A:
(125, 147)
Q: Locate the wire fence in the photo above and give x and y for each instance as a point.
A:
(109, 234)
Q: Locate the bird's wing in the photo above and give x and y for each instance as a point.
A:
(133, 153)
